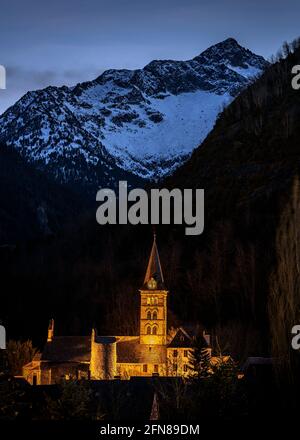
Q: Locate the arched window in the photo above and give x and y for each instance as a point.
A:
(154, 330)
(149, 315)
(154, 315)
(148, 330)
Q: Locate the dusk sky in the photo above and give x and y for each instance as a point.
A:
(64, 42)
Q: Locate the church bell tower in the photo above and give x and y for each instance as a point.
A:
(153, 309)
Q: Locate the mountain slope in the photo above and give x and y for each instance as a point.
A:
(253, 149)
(135, 124)
(32, 206)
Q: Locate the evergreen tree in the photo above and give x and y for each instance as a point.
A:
(200, 359)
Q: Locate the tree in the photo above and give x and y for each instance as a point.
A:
(284, 298)
(201, 367)
(286, 49)
(74, 402)
(174, 398)
(19, 354)
(223, 393)
(15, 402)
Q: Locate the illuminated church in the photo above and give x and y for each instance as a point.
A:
(151, 353)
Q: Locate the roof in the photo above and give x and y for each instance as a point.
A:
(78, 349)
(68, 349)
(254, 361)
(154, 269)
(131, 351)
(105, 339)
(184, 339)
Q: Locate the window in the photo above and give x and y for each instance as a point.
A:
(148, 330)
(145, 368)
(155, 368)
(149, 315)
(148, 300)
(175, 353)
(175, 368)
(185, 353)
(154, 315)
(154, 331)
(185, 368)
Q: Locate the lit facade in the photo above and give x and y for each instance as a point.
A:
(152, 352)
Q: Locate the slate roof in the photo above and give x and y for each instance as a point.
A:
(68, 349)
(78, 349)
(154, 269)
(185, 339)
(131, 351)
(254, 361)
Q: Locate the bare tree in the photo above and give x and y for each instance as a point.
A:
(284, 299)
(19, 354)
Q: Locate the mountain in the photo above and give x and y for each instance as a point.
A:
(32, 206)
(131, 125)
(252, 152)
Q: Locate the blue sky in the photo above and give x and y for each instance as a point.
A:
(66, 41)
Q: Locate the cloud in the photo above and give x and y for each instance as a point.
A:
(20, 80)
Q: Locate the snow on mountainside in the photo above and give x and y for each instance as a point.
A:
(128, 124)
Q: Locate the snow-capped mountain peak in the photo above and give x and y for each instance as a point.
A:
(136, 124)
(230, 54)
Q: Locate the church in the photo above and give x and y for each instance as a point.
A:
(153, 352)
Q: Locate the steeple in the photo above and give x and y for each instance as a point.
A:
(154, 270)
(50, 330)
(153, 316)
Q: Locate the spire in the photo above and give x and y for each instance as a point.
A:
(50, 330)
(154, 267)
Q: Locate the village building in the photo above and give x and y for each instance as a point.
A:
(151, 353)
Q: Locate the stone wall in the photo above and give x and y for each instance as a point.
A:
(103, 357)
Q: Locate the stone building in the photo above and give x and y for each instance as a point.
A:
(152, 352)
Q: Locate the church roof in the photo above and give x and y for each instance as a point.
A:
(154, 269)
(131, 351)
(68, 349)
(78, 349)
